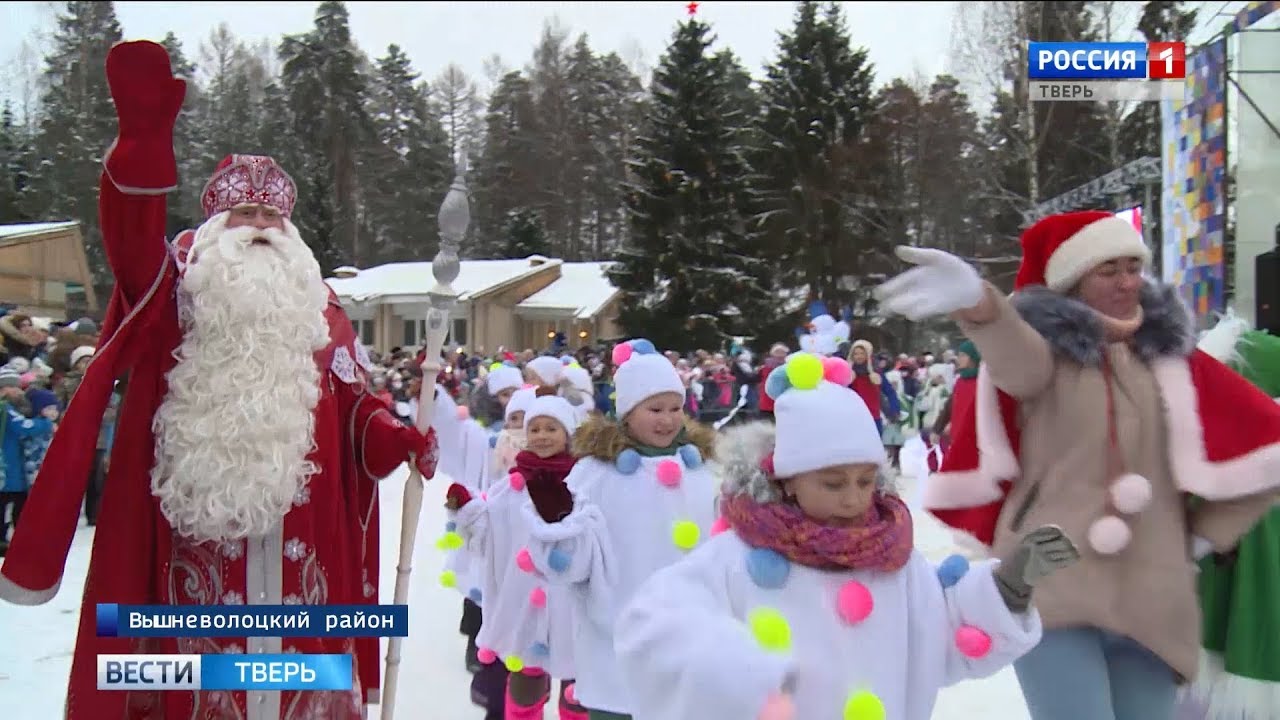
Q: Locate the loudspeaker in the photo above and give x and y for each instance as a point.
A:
(1266, 288)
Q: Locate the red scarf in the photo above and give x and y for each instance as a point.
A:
(544, 479)
(881, 540)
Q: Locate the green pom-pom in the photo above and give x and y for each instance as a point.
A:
(770, 629)
(804, 371)
(863, 705)
(450, 541)
(449, 578)
(685, 534)
(514, 663)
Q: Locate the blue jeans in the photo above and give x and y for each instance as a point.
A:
(1079, 673)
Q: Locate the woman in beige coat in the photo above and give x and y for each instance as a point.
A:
(1094, 412)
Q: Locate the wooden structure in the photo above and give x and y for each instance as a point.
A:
(44, 271)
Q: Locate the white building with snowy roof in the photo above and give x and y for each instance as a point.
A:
(518, 303)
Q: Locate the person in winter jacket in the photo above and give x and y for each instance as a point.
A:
(866, 381)
(16, 430)
(1095, 412)
(814, 603)
(17, 337)
(777, 357)
(643, 497)
(70, 382)
(745, 375)
(962, 391)
(528, 624)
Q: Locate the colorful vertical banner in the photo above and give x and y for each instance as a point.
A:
(1193, 197)
(1252, 13)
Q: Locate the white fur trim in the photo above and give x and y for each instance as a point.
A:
(1252, 473)
(18, 595)
(1230, 697)
(996, 461)
(1107, 239)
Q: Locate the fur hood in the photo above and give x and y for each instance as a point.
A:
(1075, 332)
(604, 439)
(741, 450)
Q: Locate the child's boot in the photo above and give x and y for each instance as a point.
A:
(569, 707)
(526, 696)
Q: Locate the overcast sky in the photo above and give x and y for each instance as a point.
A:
(904, 38)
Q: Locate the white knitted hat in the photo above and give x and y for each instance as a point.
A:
(822, 424)
(80, 353)
(503, 377)
(640, 374)
(520, 401)
(554, 407)
(547, 369)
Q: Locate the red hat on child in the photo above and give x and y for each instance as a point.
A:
(1060, 249)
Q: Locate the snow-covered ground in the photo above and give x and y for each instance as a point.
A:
(36, 643)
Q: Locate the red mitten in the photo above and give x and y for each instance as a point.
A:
(456, 496)
(147, 98)
(427, 455)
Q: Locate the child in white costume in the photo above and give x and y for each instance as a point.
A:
(813, 603)
(528, 624)
(465, 454)
(642, 499)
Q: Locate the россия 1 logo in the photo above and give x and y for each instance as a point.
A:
(1106, 61)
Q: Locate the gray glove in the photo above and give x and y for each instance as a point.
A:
(1040, 553)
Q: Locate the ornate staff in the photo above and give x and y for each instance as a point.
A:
(455, 216)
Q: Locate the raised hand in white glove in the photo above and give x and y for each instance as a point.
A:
(940, 283)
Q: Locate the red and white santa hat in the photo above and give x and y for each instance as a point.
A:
(1060, 249)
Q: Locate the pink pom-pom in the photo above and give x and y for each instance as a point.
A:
(1109, 535)
(1131, 493)
(26, 378)
(838, 371)
(516, 479)
(972, 642)
(669, 473)
(463, 412)
(766, 465)
(570, 696)
(621, 353)
(854, 603)
(720, 525)
(533, 670)
(484, 496)
(538, 598)
(524, 560)
(777, 707)
(486, 656)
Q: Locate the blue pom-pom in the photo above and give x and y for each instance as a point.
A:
(558, 560)
(539, 649)
(640, 346)
(951, 570)
(628, 462)
(493, 441)
(474, 595)
(767, 568)
(690, 455)
(450, 526)
(567, 360)
(777, 383)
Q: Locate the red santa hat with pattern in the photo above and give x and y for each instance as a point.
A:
(1060, 249)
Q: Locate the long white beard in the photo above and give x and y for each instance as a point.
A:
(234, 430)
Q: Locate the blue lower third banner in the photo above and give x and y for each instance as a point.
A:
(224, 672)
(315, 621)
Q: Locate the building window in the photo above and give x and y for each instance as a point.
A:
(413, 329)
(459, 334)
(364, 330)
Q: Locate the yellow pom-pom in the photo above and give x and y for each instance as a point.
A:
(863, 705)
(514, 663)
(804, 371)
(449, 578)
(685, 534)
(450, 541)
(771, 629)
(495, 366)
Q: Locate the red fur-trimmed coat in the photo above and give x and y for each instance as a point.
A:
(329, 543)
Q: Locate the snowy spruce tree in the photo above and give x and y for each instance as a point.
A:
(15, 167)
(817, 100)
(690, 275)
(525, 234)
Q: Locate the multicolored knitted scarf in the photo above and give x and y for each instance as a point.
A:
(881, 541)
